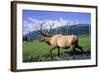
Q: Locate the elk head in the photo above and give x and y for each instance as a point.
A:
(44, 33)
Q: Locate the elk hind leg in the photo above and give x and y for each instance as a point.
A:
(73, 48)
(79, 47)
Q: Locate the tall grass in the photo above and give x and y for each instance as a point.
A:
(38, 51)
(85, 42)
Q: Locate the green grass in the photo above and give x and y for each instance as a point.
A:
(37, 51)
(85, 42)
(34, 49)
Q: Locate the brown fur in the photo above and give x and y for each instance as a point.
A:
(61, 41)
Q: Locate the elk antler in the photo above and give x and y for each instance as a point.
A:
(50, 27)
(41, 29)
(47, 30)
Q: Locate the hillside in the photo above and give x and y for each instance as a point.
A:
(79, 29)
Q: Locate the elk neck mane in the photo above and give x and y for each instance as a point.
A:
(48, 39)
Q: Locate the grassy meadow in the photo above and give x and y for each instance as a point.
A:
(36, 51)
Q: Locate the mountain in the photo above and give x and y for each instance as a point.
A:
(79, 29)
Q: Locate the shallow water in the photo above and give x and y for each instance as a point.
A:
(77, 56)
(64, 56)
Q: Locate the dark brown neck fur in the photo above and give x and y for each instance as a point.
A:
(47, 40)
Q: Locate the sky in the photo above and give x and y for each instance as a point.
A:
(33, 17)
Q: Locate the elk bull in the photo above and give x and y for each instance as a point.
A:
(59, 41)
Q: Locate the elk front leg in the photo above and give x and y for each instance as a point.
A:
(58, 52)
(51, 52)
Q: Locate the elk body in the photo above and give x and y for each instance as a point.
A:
(60, 41)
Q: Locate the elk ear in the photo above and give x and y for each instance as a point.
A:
(42, 36)
(45, 34)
